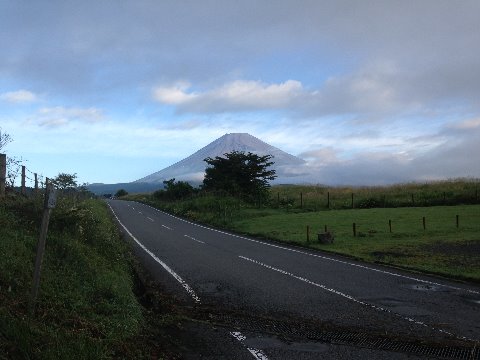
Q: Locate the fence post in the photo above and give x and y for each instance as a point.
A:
(457, 221)
(390, 225)
(48, 205)
(301, 200)
(23, 189)
(424, 223)
(328, 200)
(36, 183)
(354, 230)
(3, 174)
(352, 200)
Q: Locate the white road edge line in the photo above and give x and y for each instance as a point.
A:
(351, 298)
(320, 256)
(177, 277)
(149, 218)
(166, 227)
(257, 354)
(192, 238)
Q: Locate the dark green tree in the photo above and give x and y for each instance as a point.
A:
(174, 190)
(121, 192)
(241, 174)
(65, 181)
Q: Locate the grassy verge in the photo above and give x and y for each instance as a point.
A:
(86, 308)
(441, 248)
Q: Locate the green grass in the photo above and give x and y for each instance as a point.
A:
(441, 248)
(86, 307)
(450, 192)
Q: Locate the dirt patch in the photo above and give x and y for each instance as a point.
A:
(467, 248)
(381, 255)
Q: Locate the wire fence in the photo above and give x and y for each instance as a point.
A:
(15, 177)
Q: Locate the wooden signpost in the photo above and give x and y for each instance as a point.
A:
(3, 174)
(48, 205)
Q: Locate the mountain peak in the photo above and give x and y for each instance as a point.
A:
(193, 167)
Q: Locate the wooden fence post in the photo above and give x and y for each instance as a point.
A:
(3, 174)
(328, 200)
(36, 183)
(23, 189)
(424, 223)
(301, 200)
(390, 225)
(354, 230)
(48, 205)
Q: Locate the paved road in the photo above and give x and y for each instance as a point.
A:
(275, 298)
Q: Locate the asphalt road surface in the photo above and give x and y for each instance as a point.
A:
(274, 301)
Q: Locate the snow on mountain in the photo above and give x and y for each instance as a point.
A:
(193, 167)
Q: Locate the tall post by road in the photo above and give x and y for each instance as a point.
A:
(48, 205)
(23, 188)
(3, 174)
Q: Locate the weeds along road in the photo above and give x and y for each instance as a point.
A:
(285, 302)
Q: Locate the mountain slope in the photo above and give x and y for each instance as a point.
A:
(192, 168)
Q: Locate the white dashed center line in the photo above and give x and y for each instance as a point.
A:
(149, 218)
(351, 298)
(192, 238)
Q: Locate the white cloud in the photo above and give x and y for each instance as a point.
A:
(19, 96)
(371, 90)
(240, 95)
(61, 116)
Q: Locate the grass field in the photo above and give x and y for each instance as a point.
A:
(450, 192)
(86, 307)
(441, 248)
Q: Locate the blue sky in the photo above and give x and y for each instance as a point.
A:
(368, 92)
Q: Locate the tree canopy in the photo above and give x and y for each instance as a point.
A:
(121, 192)
(65, 181)
(240, 174)
(174, 190)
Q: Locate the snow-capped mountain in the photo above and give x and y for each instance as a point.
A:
(193, 167)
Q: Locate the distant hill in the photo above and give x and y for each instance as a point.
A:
(192, 168)
(132, 187)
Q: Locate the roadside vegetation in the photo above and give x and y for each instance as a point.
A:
(443, 247)
(87, 306)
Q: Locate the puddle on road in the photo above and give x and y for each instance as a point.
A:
(426, 287)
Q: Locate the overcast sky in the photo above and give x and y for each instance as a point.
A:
(368, 92)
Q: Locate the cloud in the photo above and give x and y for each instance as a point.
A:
(61, 116)
(240, 95)
(446, 159)
(376, 91)
(19, 96)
